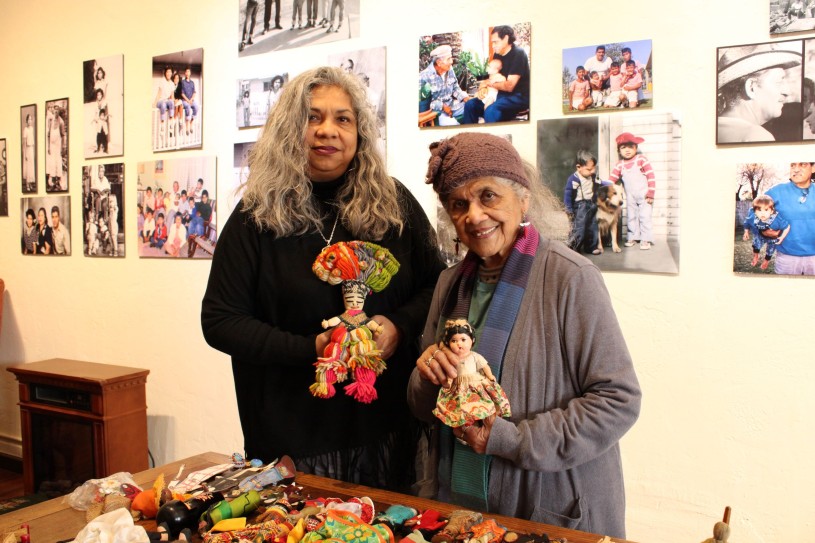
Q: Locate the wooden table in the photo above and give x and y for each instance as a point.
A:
(55, 521)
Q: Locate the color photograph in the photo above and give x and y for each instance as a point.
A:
(774, 218)
(56, 145)
(103, 108)
(759, 93)
(266, 26)
(46, 225)
(480, 76)
(607, 77)
(619, 179)
(28, 147)
(178, 97)
(177, 208)
(103, 210)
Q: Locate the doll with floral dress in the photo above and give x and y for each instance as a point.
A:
(474, 394)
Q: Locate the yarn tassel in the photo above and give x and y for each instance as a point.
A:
(362, 389)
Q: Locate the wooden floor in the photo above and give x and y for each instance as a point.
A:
(11, 484)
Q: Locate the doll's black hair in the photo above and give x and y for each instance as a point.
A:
(457, 326)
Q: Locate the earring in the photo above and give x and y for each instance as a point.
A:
(524, 221)
(457, 240)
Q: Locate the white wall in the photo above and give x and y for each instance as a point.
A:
(727, 416)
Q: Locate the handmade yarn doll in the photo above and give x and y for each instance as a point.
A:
(359, 267)
(474, 394)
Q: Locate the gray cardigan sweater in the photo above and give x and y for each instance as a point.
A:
(573, 391)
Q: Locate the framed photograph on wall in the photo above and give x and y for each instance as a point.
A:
(103, 210)
(177, 101)
(608, 76)
(256, 97)
(56, 145)
(3, 178)
(791, 16)
(759, 93)
(46, 225)
(28, 147)
(267, 26)
(103, 108)
(773, 208)
(481, 76)
(177, 206)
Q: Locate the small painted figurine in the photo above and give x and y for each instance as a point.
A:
(360, 267)
(474, 394)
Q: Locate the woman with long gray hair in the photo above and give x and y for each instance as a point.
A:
(315, 179)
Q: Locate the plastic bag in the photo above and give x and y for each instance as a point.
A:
(94, 490)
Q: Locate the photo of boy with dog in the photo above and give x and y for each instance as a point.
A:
(615, 195)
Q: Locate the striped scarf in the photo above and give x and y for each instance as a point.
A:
(463, 471)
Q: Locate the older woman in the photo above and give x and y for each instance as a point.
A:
(316, 178)
(545, 324)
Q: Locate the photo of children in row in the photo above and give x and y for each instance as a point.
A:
(46, 225)
(618, 178)
(774, 219)
(28, 147)
(3, 179)
(178, 95)
(480, 76)
(274, 25)
(176, 214)
(56, 145)
(256, 98)
(103, 108)
(103, 210)
(791, 16)
(608, 76)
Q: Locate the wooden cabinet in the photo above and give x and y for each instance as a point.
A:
(80, 421)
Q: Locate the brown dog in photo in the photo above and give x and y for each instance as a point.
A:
(609, 208)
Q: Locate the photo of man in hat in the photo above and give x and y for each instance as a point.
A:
(754, 84)
(443, 93)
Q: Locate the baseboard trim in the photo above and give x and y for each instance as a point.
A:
(10, 463)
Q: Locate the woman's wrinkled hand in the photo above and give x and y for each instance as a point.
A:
(438, 364)
(477, 435)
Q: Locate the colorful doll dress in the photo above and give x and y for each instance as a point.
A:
(471, 397)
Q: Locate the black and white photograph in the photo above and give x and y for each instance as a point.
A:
(28, 147)
(619, 179)
(472, 77)
(370, 66)
(759, 93)
(774, 218)
(178, 99)
(791, 16)
(808, 92)
(256, 97)
(177, 208)
(103, 109)
(3, 179)
(56, 145)
(103, 210)
(240, 168)
(46, 228)
(271, 25)
(608, 77)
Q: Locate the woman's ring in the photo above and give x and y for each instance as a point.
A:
(427, 362)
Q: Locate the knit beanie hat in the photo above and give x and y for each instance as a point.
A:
(468, 155)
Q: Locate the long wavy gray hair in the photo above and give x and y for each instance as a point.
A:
(277, 192)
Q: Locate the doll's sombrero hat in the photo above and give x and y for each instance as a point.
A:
(743, 60)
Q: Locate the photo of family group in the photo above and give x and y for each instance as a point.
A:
(791, 16)
(46, 225)
(56, 145)
(479, 76)
(28, 147)
(274, 25)
(766, 92)
(178, 95)
(103, 108)
(774, 219)
(176, 206)
(608, 76)
(619, 179)
(103, 210)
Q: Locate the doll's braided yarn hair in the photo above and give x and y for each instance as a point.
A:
(359, 267)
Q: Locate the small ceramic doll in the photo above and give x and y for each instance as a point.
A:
(360, 267)
(474, 394)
